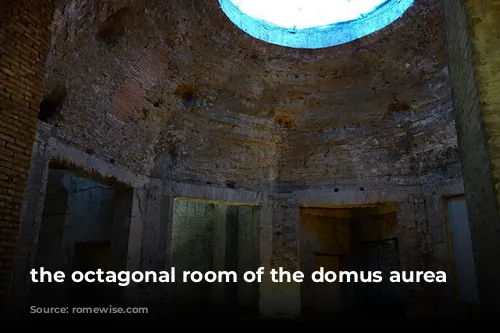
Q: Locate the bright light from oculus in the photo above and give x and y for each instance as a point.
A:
(312, 24)
(303, 14)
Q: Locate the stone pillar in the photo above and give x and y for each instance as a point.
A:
(231, 255)
(283, 218)
(443, 294)
(166, 220)
(265, 254)
(412, 237)
(219, 252)
(248, 237)
(153, 244)
(473, 41)
(134, 251)
(24, 41)
(119, 239)
(33, 203)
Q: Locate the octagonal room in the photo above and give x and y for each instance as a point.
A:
(231, 135)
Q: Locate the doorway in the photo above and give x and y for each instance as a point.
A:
(90, 257)
(85, 226)
(213, 236)
(356, 239)
(461, 251)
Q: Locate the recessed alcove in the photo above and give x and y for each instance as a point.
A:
(215, 236)
(360, 239)
(85, 226)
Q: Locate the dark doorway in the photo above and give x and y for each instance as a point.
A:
(382, 255)
(90, 257)
(215, 237)
(85, 226)
(354, 239)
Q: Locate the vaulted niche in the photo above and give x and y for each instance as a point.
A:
(312, 24)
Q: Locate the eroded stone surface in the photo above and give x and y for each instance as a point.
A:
(175, 90)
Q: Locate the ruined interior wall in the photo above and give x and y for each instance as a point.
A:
(281, 215)
(76, 211)
(400, 147)
(219, 252)
(421, 237)
(379, 118)
(192, 249)
(248, 254)
(154, 105)
(24, 40)
(129, 209)
(376, 247)
(215, 148)
(340, 233)
(89, 216)
(120, 228)
(324, 235)
(215, 237)
(472, 38)
(81, 120)
(49, 245)
(175, 92)
(183, 94)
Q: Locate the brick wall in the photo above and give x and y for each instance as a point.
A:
(24, 41)
(472, 42)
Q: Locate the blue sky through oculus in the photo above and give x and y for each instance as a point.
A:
(302, 14)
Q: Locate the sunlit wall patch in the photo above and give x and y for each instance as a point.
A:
(312, 24)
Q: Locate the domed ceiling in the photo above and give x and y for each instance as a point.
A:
(175, 89)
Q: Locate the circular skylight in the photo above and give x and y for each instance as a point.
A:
(312, 23)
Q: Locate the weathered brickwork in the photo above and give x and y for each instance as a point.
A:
(472, 40)
(181, 93)
(24, 40)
